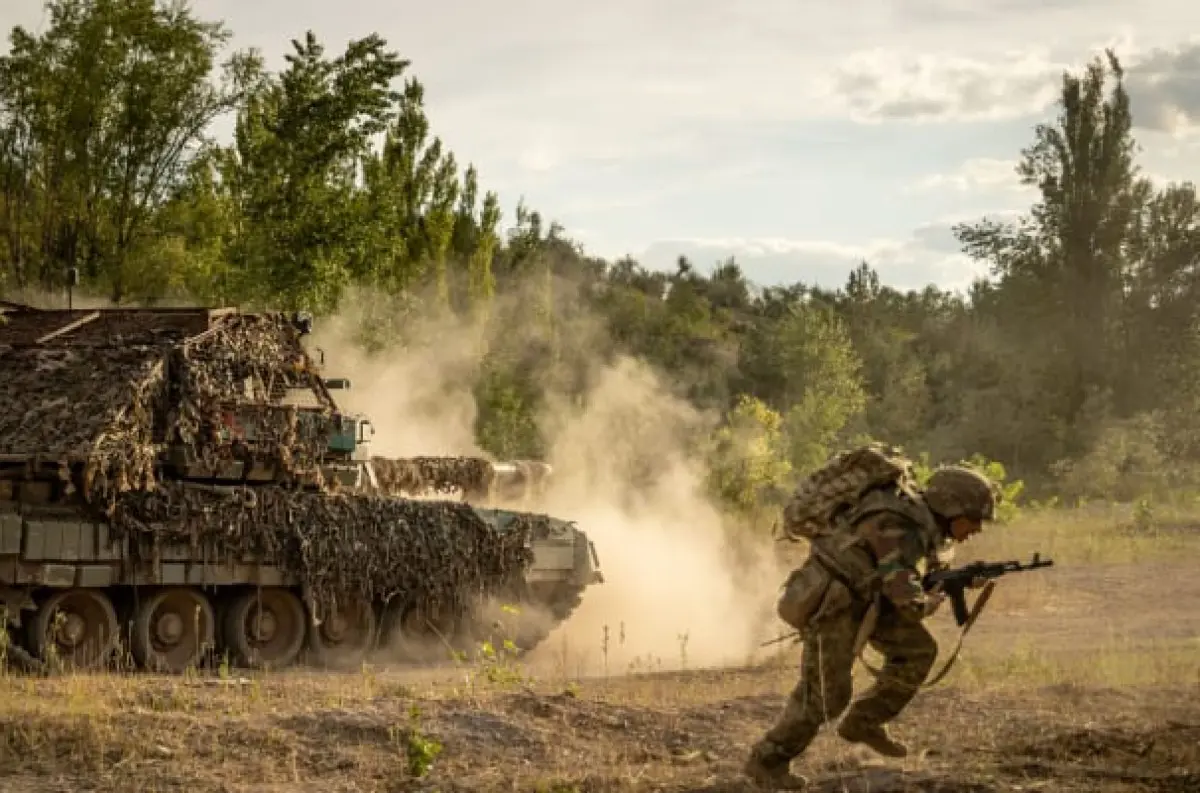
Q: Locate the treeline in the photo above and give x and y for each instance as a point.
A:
(1076, 364)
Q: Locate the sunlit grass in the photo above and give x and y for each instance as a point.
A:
(1091, 535)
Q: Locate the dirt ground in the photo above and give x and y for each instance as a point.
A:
(1082, 678)
(685, 731)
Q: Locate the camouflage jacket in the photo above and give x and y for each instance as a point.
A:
(883, 546)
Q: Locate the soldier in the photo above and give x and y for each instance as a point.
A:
(887, 536)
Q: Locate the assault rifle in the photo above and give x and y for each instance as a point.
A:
(955, 581)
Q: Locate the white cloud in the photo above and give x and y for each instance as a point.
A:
(696, 110)
(1164, 88)
(978, 174)
(638, 82)
(931, 255)
(893, 85)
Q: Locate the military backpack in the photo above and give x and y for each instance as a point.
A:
(840, 484)
(844, 487)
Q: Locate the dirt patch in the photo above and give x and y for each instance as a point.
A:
(676, 733)
(1158, 758)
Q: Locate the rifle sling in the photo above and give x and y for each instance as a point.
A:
(868, 626)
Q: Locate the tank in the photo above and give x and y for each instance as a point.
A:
(180, 486)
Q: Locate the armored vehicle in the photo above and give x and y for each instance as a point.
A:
(181, 483)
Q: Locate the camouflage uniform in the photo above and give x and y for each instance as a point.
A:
(878, 560)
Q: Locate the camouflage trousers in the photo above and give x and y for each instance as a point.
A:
(825, 689)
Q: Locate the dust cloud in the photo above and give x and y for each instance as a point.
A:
(418, 399)
(679, 591)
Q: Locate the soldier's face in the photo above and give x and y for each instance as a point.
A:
(963, 528)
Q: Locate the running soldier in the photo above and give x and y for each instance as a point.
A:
(862, 583)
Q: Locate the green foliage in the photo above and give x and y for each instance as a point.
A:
(1074, 363)
(824, 389)
(506, 423)
(1127, 462)
(420, 751)
(301, 227)
(1144, 519)
(101, 115)
(748, 456)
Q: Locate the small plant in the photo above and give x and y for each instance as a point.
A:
(54, 661)
(497, 665)
(500, 667)
(370, 680)
(604, 650)
(224, 669)
(420, 751)
(1144, 516)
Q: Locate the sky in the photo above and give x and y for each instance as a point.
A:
(799, 137)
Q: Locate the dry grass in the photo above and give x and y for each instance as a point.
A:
(1084, 677)
(1094, 535)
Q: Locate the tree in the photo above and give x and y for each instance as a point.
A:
(292, 172)
(1062, 267)
(748, 457)
(822, 386)
(99, 118)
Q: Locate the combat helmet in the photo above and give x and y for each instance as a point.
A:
(956, 490)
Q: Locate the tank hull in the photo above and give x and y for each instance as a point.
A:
(103, 581)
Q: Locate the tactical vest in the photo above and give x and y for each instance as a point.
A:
(844, 551)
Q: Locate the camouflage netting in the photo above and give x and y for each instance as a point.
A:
(341, 545)
(415, 475)
(245, 358)
(83, 404)
(103, 400)
(116, 392)
(250, 361)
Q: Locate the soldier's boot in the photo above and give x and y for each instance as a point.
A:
(770, 769)
(872, 735)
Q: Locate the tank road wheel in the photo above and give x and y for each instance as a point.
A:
(265, 628)
(172, 629)
(78, 626)
(418, 635)
(344, 637)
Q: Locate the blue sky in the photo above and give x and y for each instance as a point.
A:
(796, 136)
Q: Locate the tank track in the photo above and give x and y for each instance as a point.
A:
(536, 620)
